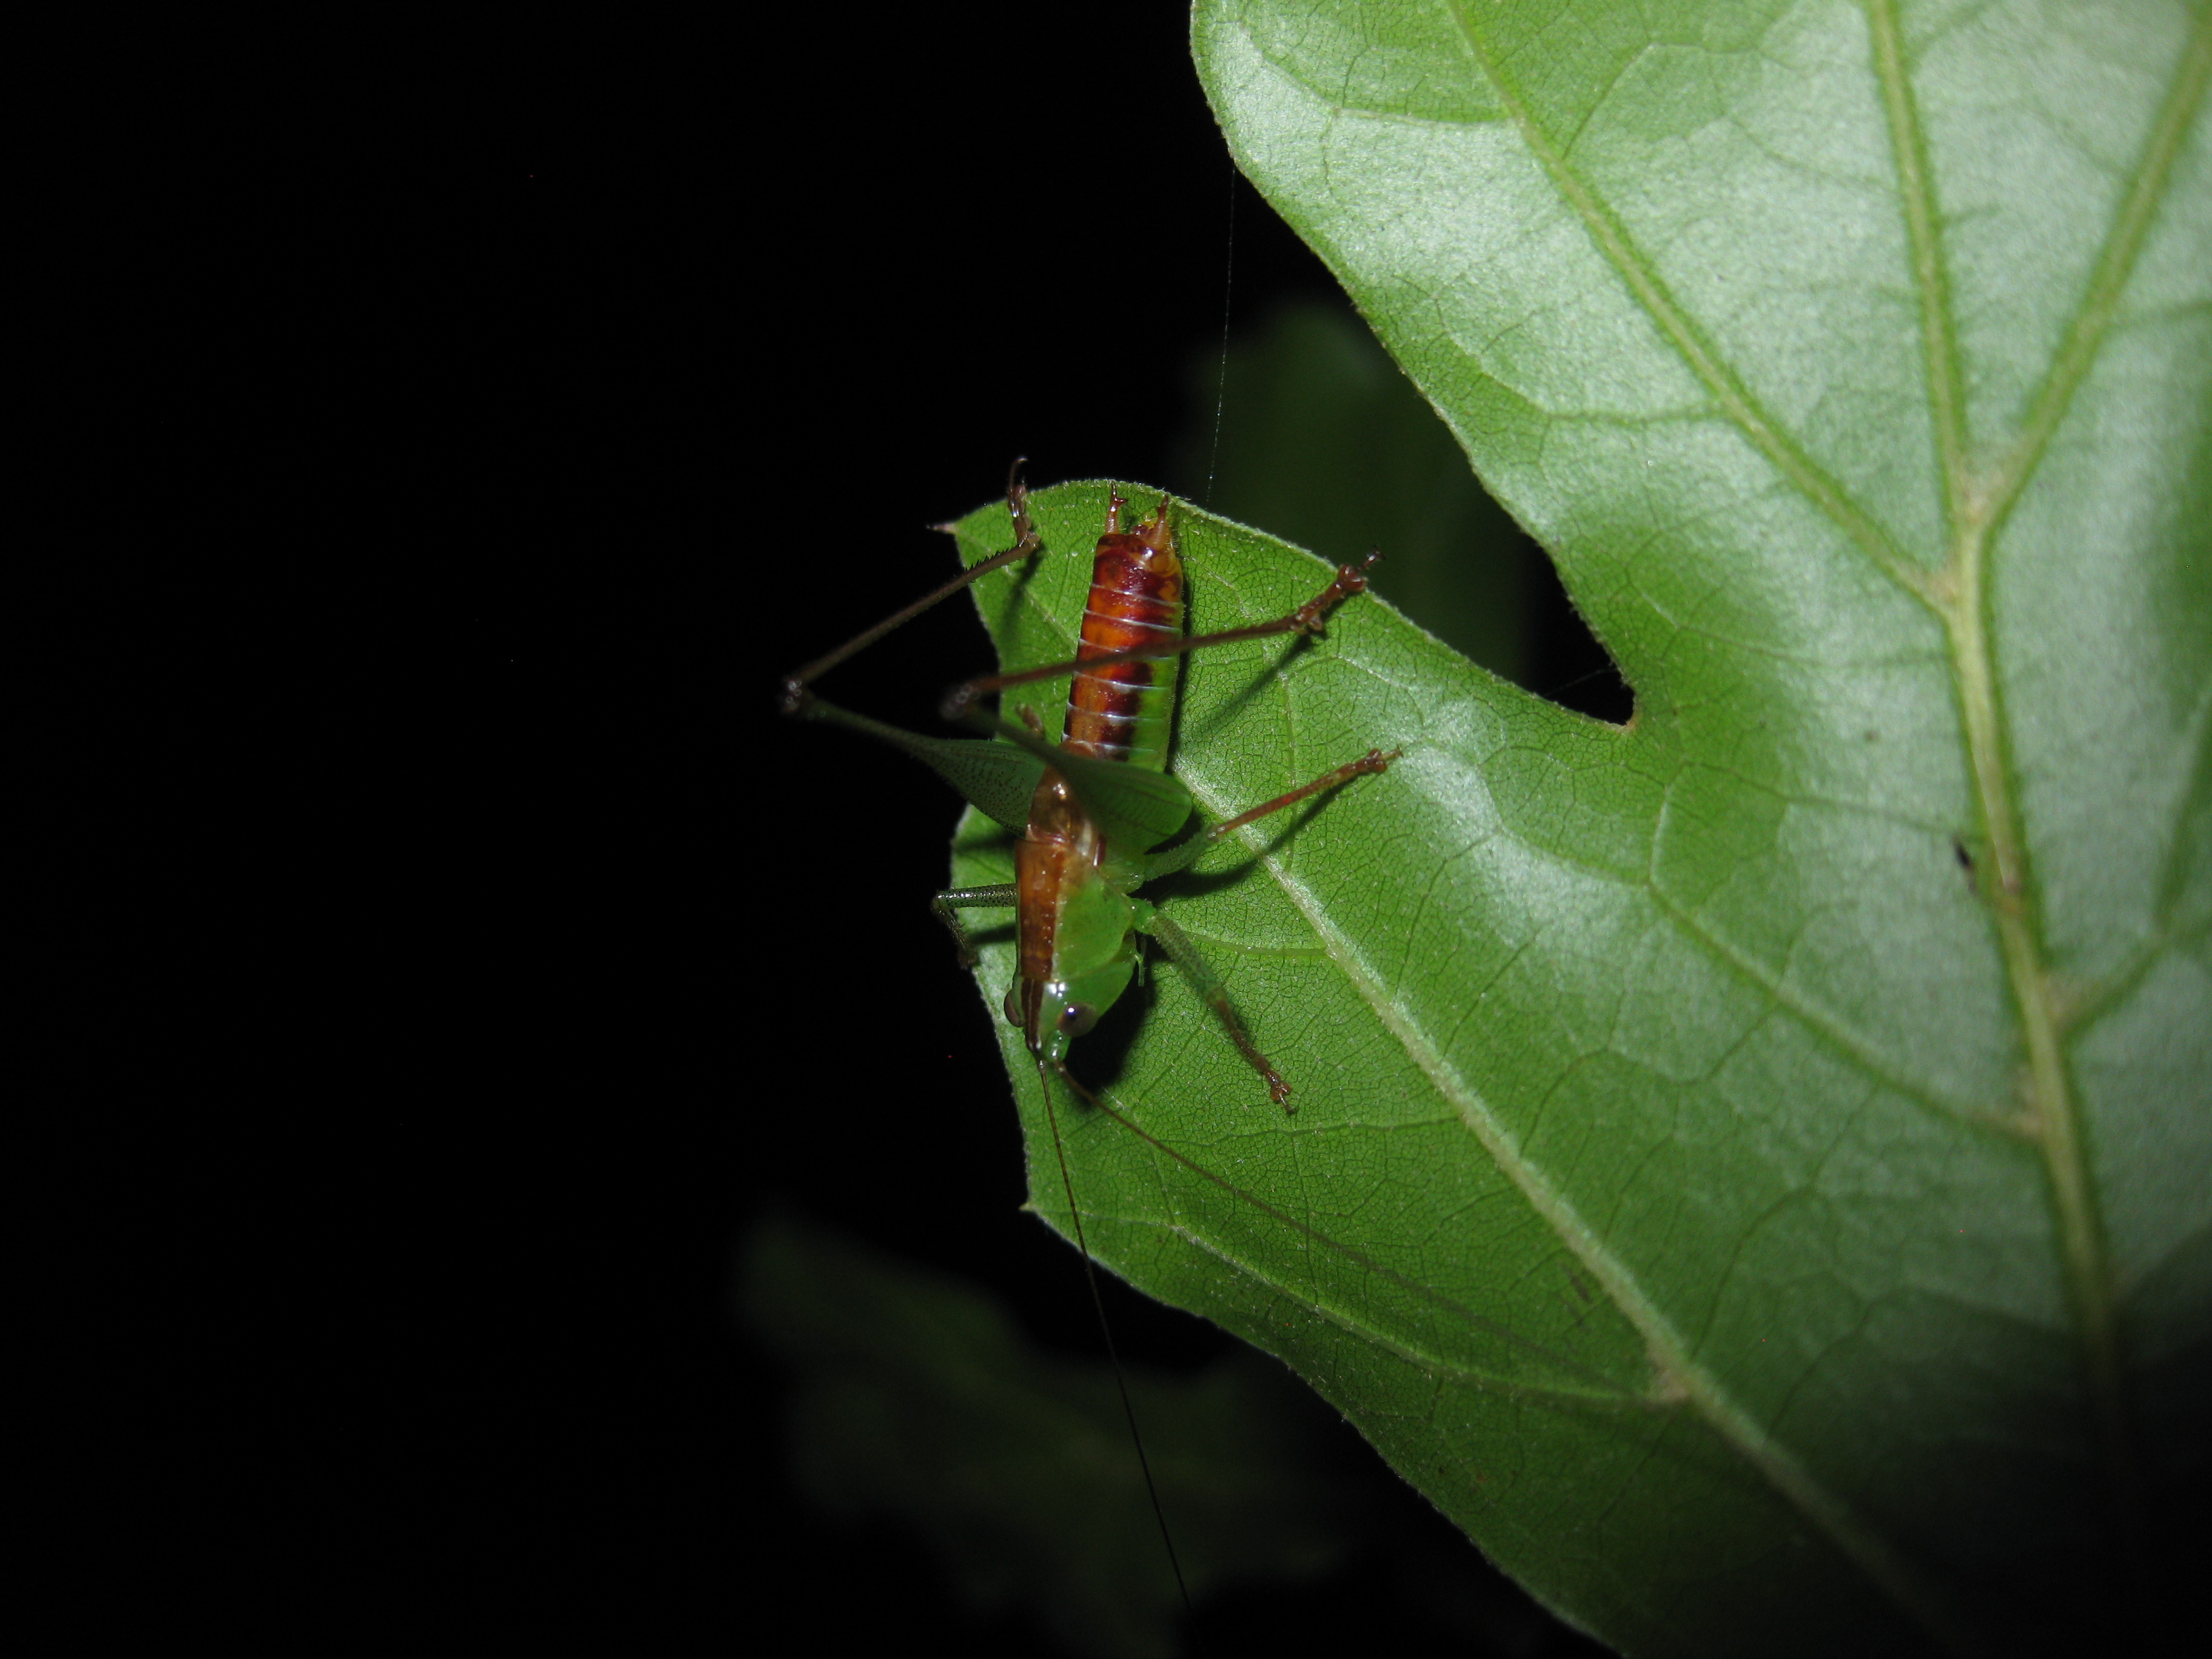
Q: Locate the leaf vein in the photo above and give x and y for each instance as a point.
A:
(1732, 398)
(1931, 278)
(1824, 1026)
(1776, 1463)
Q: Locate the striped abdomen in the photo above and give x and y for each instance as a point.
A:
(1123, 711)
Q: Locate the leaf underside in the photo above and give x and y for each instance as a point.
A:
(1753, 1168)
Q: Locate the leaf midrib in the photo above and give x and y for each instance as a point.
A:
(1669, 1349)
(1977, 514)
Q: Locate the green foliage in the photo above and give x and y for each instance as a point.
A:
(916, 1397)
(1753, 1168)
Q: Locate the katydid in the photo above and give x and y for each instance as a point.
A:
(1094, 810)
(1097, 812)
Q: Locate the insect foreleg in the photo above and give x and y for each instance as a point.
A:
(1001, 897)
(1209, 985)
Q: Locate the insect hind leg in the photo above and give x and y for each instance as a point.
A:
(797, 694)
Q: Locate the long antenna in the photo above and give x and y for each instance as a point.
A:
(1228, 287)
(1105, 1328)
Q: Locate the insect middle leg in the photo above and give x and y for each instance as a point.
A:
(1181, 857)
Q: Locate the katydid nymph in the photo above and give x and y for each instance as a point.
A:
(1095, 809)
(1099, 814)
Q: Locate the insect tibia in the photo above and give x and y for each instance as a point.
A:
(944, 907)
(1374, 761)
(1350, 579)
(1026, 542)
(1215, 995)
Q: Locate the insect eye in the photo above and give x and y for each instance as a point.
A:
(1077, 1017)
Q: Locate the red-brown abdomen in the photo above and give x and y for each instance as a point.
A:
(1124, 711)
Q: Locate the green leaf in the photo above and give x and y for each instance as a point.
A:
(1753, 1168)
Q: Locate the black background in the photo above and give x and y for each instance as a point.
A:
(577, 381)
(467, 424)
